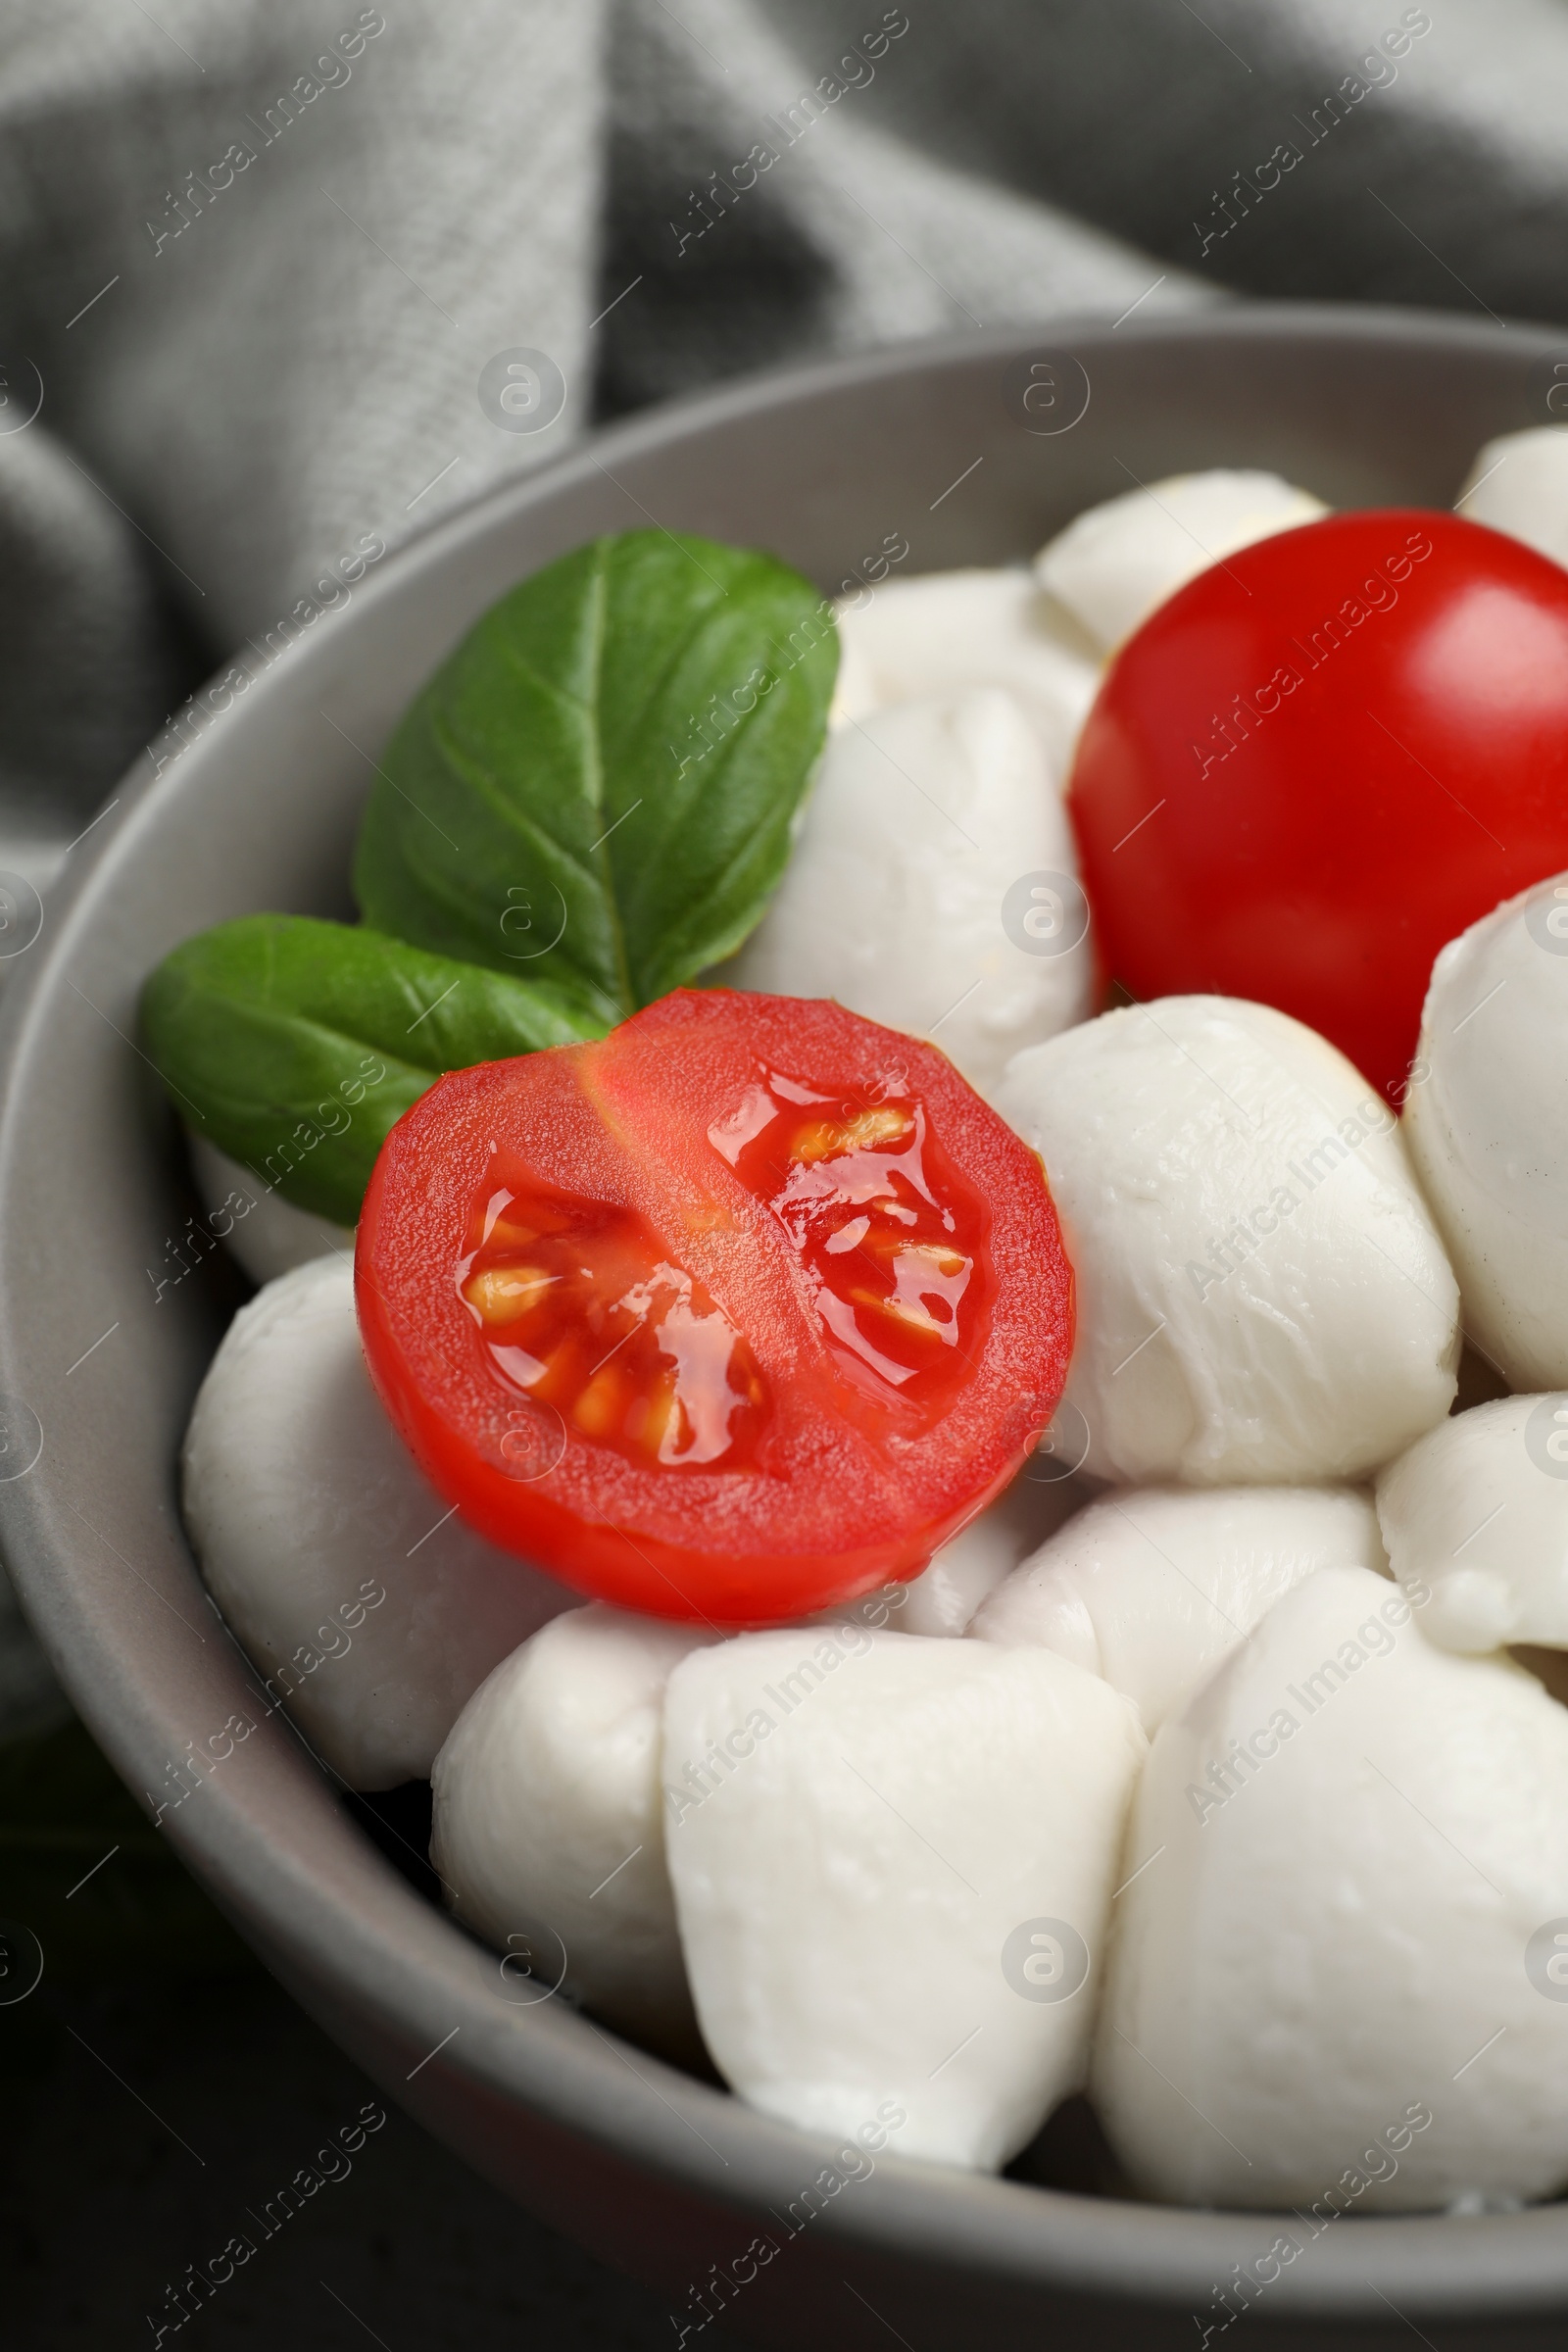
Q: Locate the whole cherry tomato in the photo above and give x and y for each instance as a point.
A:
(1322, 759)
(734, 1314)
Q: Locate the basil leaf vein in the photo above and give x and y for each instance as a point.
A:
(618, 750)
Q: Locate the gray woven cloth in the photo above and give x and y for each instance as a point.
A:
(262, 261)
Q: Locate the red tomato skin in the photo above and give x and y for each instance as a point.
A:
(1414, 773)
(625, 1120)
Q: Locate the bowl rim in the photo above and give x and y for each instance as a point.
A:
(405, 1969)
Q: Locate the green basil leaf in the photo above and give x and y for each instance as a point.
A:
(598, 786)
(296, 1045)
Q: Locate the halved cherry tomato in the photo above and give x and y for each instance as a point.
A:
(1322, 759)
(734, 1314)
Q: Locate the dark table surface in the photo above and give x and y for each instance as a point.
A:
(111, 2182)
(157, 2091)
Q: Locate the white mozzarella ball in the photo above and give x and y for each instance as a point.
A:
(1262, 1295)
(371, 1612)
(1115, 565)
(1331, 1982)
(1476, 1514)
(1151, 1587)
(1519, 485)
(1487, 1128)
(891, 1863)
(954, 630)
(943, 1599)
(855, 689)
(549, 1827)
(268, 1234)
(920, 823)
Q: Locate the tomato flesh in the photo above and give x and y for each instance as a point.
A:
(582, 1310)
(1322, 759)
(874, 1209)
(732, 1316)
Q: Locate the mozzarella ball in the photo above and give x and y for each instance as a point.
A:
(1115, 565)
(897, 902)
(268, 1234)
(1151, 1587)
(1262, 1295)
(940, 1601)
(891, 1863)
(855, 688)
(1476, 1515)
(954, 630)
(1487, 1124)
(1330, 1981)
(549, 1827)
(371, 1611)
(1519, 485)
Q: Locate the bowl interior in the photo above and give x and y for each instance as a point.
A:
(970, 454)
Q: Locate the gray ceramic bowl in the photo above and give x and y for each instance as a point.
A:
(975, 451)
